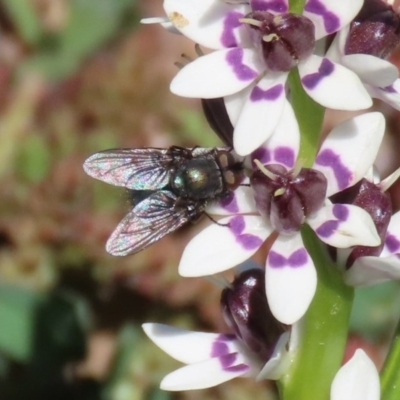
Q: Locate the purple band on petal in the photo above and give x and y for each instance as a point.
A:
(262, 154)
(238, 368)
(271, 94)
(277, 6)
(341, 212)
(325, 69)
(392, 243)
(231, 22)
(389, 89)
(242, 71)
(227, 360)
(220, 347)
(327, 229)
(230, 204)
(246, 240)
(285, 156)
(297, 259)
(327, 158)
(331, 20)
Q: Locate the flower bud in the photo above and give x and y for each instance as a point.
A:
(282, 40)
(375, 30)
(287, 200)
(246, 311)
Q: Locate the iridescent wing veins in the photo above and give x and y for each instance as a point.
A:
(149, 221)
(137, 169)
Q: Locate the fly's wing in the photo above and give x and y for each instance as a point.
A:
(149, 221)
(137, 169)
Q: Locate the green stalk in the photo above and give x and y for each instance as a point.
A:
(390, 374)
(296, 6)
(324, 332)
(310, 116)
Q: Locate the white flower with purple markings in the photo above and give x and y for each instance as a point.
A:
(213, 358)
(257, 43)
(281, 199)
(365, 44)
(371, 270)
(380, 77)
(259, 347)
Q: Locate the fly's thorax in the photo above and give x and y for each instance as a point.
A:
(198, 179)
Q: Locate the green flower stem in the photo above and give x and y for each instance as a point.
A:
(310, 116)
(296, 6)
(390, 374)
(324, 330)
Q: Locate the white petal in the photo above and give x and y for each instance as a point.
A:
(367, 271)
(371, 69)
(190, 347)
(218, 248)
(163, 21)
(344, 225)
(330, 16)
(358, 379)
(241, 201)
(290, 279)
(390, 94)
(349, 151)
(392, 240)
(283, 146)
(260, 113)
(333, 85)
(210, 23)
(279, 362)
(203, 375)
(218, 74)
(273, 6)
(337, 47)
(386, 183)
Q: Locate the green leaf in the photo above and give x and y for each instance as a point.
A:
(34, 159)
(17, 321)
(25, 18)
(92, 22)
(121, 367)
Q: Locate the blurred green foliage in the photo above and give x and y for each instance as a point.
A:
(91, 23)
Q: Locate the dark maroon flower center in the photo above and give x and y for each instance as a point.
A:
(282, 40)
(287, 200)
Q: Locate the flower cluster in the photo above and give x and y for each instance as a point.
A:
(265, 185)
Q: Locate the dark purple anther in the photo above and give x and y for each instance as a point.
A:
(246, 312)
(375, 30)
(369, 197)
(282, 40)
(287, 200)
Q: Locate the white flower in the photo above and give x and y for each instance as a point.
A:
(372, 270)
(358, 379)
(255, 95)
(213, 358)
(344, 158)
(380, 77)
